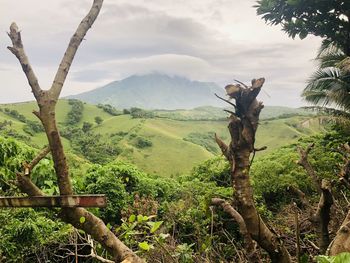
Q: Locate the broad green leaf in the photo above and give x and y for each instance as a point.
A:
(139, 218)
(156, 226)
(144, 246)
(132, 218)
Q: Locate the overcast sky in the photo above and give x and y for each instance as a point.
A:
(206, 40)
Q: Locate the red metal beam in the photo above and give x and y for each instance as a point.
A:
(55, 201)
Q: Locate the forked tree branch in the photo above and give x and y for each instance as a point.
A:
(72, 48)
(47, 101)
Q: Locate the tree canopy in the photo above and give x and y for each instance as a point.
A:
(327, 19)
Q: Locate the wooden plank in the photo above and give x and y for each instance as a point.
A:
(55, 201)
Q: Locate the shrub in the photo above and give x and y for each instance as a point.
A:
(75, 115)
(141, 143)
(98, 120)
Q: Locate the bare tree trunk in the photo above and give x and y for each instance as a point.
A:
(242, 127)
(47, 100)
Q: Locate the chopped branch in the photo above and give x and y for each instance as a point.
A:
(29, 167)
(242, 127)
(18, 50)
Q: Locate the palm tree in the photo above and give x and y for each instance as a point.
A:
(330, 84)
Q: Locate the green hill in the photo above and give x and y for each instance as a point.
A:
(165, 145)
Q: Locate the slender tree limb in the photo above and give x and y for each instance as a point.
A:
(18, 50)
(29, 167)
(303, 161)
(249, 243)
(227, 101)
(303, 199)
(223, 146)
(240, 82)
(72, 48)
(260, 149)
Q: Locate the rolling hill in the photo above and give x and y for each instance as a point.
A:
(175, 144)
(154, 91)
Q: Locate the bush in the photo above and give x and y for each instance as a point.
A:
(75, 115)
(109, 109)
(98, 120)
(141, 143)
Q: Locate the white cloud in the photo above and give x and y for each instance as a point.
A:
(211, 40)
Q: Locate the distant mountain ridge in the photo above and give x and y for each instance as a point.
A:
(155, 91)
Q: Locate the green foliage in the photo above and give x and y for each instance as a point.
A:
(329, 85)
(140, 232)
(115, 180)
(340, 258)
(25, 232)
(98, 120)
(15, 114)
(75, 115)
(90, 144)
(141, 142)
(203, 139)
(87, 126)
(214, 170)
(109, 109)
(328, 19)
(33, 127)
(283, 171)
(140, 113)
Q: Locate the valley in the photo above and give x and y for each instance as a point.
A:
(168, 143)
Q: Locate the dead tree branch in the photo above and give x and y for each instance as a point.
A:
(341, 242)
(47, 101)
(321, 217)
(242, 128)
(304, 162)
(249, 244)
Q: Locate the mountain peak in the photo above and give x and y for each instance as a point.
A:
(155, 91)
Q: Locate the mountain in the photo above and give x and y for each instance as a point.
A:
(155, 91)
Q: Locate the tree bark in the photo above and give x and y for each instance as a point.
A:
(47, 100)
(341, 242)
(249, 245)
(242, 127)
(321, 217)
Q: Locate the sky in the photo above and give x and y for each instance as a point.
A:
(205, 40)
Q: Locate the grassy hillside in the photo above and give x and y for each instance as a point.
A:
(166, 145)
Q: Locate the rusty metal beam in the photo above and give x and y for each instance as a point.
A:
(55, 201)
